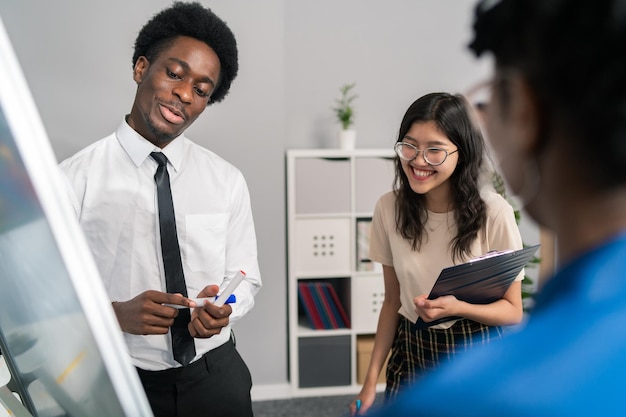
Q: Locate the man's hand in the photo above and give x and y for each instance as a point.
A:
(208, 320)
(146, 314)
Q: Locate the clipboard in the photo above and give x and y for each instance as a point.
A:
(482, 280)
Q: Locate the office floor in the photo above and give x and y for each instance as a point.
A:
(335, 406)
(332, 406)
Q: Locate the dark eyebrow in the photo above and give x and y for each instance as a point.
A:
(187, 68)
(429, 143)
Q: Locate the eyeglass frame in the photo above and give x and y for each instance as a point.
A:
(423, 151)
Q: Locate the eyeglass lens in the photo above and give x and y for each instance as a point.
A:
(433, 156)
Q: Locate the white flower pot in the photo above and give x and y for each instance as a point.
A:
(347, 139)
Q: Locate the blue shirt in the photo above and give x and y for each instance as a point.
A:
(569, 359)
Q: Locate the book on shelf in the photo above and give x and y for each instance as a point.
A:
(308, 304)
(322, 306)
(325, 303)
(339, 310)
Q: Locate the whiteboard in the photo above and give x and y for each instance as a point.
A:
(58, 333)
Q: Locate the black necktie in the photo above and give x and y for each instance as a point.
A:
(182, 342)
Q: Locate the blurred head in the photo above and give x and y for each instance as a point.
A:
(194, 21)
(560, 76)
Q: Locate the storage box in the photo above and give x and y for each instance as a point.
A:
(364, 347)
(368, 293)
(324, 361)
(373, 178)
(322, 246)
(322, 185)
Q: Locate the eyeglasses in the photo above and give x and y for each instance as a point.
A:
(432, 156)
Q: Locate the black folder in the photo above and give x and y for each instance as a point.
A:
(480, 281)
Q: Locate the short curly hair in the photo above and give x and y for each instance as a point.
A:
(195, 21)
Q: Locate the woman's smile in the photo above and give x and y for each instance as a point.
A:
(422, 174)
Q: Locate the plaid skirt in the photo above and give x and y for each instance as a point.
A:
(416, 351)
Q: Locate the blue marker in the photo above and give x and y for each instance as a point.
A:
(358, 406)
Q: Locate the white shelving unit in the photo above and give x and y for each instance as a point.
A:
(331, 194)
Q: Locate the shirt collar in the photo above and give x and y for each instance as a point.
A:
(138, 148)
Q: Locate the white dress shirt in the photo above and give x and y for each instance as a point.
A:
(116, 203)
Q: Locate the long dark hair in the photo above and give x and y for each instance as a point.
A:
(450, 113)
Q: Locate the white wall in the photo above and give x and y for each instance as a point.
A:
(294, 56)
(395, 51)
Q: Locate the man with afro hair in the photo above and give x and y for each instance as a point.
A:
(185, 58)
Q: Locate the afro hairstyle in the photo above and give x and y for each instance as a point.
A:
(195, 21)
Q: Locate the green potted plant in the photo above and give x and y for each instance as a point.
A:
(344, 111)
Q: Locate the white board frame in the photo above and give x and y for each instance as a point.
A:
(51, 190)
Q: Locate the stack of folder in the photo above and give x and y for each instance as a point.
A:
(322, 306)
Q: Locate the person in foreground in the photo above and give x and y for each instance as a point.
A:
(185, 59)
(557, 122)
(438, 215)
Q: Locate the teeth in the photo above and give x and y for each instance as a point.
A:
(420, 173)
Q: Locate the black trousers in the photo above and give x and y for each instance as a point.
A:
(216, 385)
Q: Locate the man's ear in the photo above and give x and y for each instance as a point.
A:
(526, 115)
(141, 66)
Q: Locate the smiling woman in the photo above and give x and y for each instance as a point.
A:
(429, 174)
(436, 217)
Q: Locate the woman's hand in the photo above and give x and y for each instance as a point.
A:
(363, 402)
(441, 307)
(506, 311)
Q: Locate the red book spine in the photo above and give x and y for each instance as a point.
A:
(342, 311)
(325, 302)
(309, 306)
